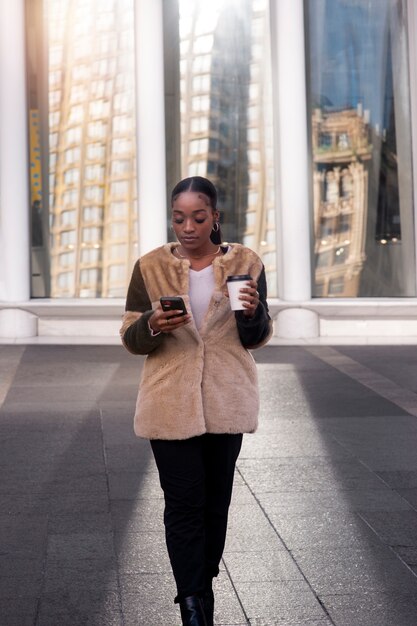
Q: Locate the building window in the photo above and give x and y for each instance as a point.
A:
(199, 124)
(96, 152)
(66, 280)
(92, 234)
(72, 177)
(93, 214)
(94, 193)
(67, 259)
(70, 197)
(118, 209)
(68, 238)
(118, 251)
(118, 230)
(99, 109)
(76, 114)
(68, 218)
(226, 114)
(90, 276)
(117, 273)
(72, 155)
(360, 124)
(91, 255)
(198, 146)
(119, 188)
(121, 146)
(121, 167)
(94, 172)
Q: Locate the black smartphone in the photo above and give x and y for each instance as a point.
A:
(173, 303)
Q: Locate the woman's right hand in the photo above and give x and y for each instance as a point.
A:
(166, 321)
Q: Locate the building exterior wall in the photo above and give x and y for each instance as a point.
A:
(102, 210)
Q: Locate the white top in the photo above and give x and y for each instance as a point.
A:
(201, 290)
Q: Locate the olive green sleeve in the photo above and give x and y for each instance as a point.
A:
(135, 332)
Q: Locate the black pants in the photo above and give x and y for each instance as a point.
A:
(196, 476)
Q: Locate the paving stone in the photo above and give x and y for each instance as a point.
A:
(132, 485)
(80, 522)
(392, 527)
(283, 622)
(266, 566)
(23, 536)
(128, 457)
(62, 579)
(252, 539)
(295, 504)
(410, 495)
(241, 495)
(44, 503)
(142, 553)
(401, 479)
(332, 394)
(407, 554)
(379, 609)
(399, 367)
(64, 374)
(80, 607)
(54, 395)
(290, 357)
(329, 478)
(288, 601)
(20, 584)
(18, 610)
(72, 548)
(117, 421)
(132, 516)
(12, 420)
(330, 529)
(56, 486)
(281, 445)
(306, 474)
(383, 443)
(351, 569)
(114, 393)
(227, 608)
(148, 599)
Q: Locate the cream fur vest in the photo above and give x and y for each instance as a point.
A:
(203, 381)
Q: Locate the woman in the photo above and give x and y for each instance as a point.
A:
(198, 392)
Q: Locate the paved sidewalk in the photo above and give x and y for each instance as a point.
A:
(323, 524)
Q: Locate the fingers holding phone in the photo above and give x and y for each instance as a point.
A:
(170, 315)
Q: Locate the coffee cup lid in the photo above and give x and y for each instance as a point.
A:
(238, 277)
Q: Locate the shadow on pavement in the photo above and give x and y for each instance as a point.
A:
(320, 467)
(76, 484)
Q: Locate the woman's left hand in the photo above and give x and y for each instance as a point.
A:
(250, 297)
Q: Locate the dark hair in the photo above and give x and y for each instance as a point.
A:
(198, 184)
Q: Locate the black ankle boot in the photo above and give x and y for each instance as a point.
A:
(192, 611)
(208, 603)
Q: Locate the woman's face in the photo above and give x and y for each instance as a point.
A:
(193, 219)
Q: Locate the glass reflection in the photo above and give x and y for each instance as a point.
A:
(84, 233)
(226, 116)
(361, 148)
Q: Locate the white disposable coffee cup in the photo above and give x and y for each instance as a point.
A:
(234, 285)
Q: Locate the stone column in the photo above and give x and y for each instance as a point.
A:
(150, 131)
(14, 174)
(292, 167)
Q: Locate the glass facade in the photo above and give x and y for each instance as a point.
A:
(361, 153)
(82, 129)
(219, 124)
(226, 116)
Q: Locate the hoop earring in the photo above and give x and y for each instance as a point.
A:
(216, 235)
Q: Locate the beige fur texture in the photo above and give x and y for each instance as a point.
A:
(197, 382)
